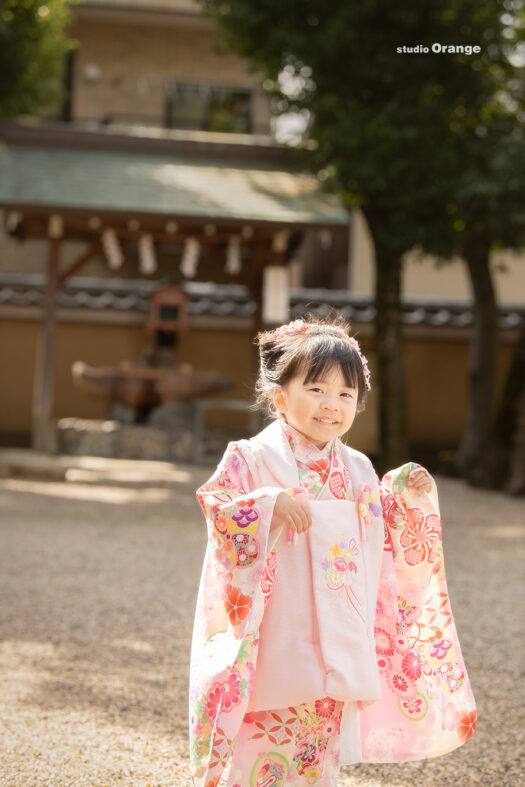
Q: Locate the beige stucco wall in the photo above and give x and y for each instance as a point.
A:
(103, 345)
(426, 279)
(436, 373)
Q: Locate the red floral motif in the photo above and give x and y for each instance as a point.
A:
(221, 524)
(412, 704)
(467, 725)
(325, 707)
(384, 646)
(321, 467)
(411, 665)
(401, 684)
(419, 536)
(237, 605)
(223, 480)
(223, 696)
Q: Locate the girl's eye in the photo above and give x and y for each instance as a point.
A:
(350, 396)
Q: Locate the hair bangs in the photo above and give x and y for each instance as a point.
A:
(328, 353)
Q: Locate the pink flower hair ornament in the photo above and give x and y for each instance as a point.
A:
(299, 326)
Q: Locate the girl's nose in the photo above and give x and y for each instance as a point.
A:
(331, 403)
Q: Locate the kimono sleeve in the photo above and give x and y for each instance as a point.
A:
(426, 692)
(413, 534)
(238, 517)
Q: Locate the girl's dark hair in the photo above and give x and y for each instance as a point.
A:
(311, 353)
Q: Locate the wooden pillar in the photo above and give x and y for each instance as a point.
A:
(259, 259)
(43, 437)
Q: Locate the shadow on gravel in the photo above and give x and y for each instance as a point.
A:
(99, 581)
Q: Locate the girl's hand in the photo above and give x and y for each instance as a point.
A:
(293, 512)
(420, 481)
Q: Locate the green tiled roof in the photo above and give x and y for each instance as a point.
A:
(160, 184)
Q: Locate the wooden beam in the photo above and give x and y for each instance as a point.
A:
(42, 438)
(95, 249)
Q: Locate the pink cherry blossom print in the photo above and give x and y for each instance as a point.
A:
(450, 717)
(379, 745)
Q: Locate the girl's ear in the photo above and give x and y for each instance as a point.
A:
(278, 399)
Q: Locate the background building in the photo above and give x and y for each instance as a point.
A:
(163, 128)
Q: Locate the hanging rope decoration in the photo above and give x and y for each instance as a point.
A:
(280, 241)
(233, 255)
(55, 226)
(13, 220)
(147, 258)
(112, 248)
(190, 257)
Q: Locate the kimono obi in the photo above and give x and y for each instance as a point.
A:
(316, 636)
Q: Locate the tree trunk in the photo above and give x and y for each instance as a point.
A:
(43, 436)
(390, 368)
(505, 454)
(516, 482)
(482, 368)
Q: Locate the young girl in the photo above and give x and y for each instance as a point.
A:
(323, 631)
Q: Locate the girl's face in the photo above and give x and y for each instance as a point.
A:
(320, 410)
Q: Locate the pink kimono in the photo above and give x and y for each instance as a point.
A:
(354, 618)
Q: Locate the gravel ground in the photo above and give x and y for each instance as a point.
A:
(99, 575)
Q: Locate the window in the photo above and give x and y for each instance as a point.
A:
(208, 108)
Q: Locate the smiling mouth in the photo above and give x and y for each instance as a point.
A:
(328, 421)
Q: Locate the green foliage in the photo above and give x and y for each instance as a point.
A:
(430, 146)
(33, 48)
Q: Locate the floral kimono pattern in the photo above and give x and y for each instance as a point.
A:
(426, 706)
